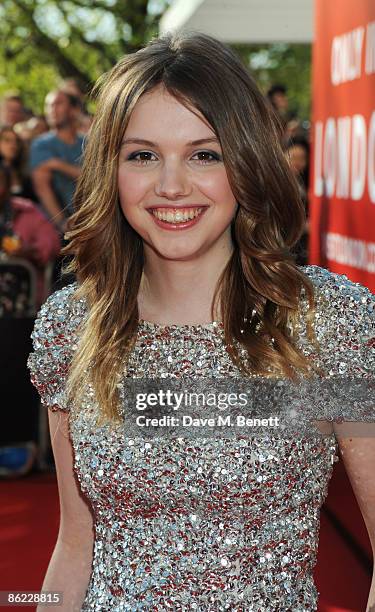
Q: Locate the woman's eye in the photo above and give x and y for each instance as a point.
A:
(141, 156)
(207, 157)
(202, 157)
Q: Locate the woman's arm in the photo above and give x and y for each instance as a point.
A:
(69, 569)
(357, 446)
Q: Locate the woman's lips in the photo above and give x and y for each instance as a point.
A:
(177, 218)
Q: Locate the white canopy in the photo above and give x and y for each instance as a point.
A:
(243, 21)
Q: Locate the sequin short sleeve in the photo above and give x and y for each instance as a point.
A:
(54, 340)
(345, 328)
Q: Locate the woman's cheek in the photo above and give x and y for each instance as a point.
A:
(133, 187)
(216, 185)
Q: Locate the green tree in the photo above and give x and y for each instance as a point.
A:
(288, 64)
(46, 40)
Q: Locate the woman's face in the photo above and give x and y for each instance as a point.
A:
(173, 186)
(9, 145)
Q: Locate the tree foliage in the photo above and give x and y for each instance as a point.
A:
(287, 64)
(46, 40)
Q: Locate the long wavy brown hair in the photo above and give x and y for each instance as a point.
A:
(261, 276)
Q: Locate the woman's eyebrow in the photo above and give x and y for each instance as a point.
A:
(148, 143)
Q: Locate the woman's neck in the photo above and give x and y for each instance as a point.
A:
(179, 292)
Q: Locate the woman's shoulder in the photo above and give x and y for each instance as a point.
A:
(337, 295)
(343, 321)
(54, 341)
(59, 316)
(328, 283)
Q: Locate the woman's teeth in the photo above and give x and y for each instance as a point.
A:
(177, 216)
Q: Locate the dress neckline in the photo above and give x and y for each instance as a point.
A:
(186, 327)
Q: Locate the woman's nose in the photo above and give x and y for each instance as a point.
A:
(172, 181)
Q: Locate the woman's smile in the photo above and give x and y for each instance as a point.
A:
(177, 218)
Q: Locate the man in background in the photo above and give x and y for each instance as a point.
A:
(84, 118)
(55, 157)
(55, 161)
(12, 110)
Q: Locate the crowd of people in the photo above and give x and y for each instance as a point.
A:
(40, 161)
(40, 158)
(295, 138)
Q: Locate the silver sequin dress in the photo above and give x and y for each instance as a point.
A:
(208, 524)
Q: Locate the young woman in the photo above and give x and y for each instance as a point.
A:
(186, 212)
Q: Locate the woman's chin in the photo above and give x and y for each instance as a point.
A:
(177, 252)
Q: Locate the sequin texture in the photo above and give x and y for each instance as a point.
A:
(205, 524)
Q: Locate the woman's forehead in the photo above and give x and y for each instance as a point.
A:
(162, 114)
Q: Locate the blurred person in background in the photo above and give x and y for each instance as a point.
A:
(30, 129)
(55, 157)
(12, 110)
(295, 129)
(84, 118)
(25, 234)
(278, 98)
(298, 154)
(73, 87)
(290, 123)
(55, 162)
(13, 154)
(298, 150)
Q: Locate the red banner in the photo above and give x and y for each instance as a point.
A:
(342, 193)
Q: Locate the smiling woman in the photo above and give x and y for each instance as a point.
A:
(186, 214)
(175, 185)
